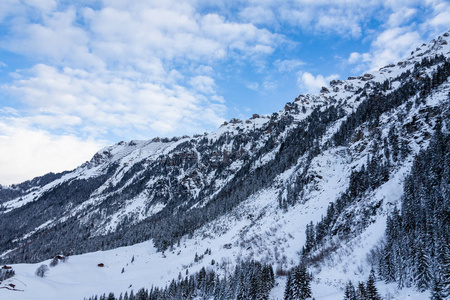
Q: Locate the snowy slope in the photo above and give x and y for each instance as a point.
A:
(136, 183)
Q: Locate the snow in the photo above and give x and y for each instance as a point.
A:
(80, 276)
(256, 229)
(134, 207)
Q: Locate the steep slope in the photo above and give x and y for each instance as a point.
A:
(251, 189)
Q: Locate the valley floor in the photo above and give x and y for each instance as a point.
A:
(80, 277)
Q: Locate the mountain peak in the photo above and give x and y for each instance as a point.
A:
(318, 182)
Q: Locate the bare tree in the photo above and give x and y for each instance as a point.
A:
(41, 270)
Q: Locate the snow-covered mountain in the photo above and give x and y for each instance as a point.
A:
(315, 182)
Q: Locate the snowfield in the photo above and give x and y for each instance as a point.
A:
(257, 228)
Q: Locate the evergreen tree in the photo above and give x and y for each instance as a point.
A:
(361, 291)
(111, 297)
(422, 271)
(436, 289)
(416, 240)
(288, 289)
(310, 237)
(371, 289)
(446, 273)
(298, 285)
(241, 290)
(350, 292)
(54, 262)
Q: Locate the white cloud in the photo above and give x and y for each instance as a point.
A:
(85, 100)
(205, 70)
(288, 65)
(129, 33)
(389, 46)
(26, 153)
(258, 15)
(253, 86)
(8, 7)
(345, 18)
(41, 5)
(440, 20)
(401, 16)
(339, 21)
(129, 65)
(392, 45)
(399, 35)
(354, 57)
(203, 84)
(57, 39)
(245, 38)
(269, 84)
(360, 60)
(311, 84)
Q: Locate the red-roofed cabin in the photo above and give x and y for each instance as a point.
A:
(5, 267)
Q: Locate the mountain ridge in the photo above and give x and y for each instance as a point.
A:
(250, 177)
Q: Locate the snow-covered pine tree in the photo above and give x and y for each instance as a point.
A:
(298, 285)
(371, 289)
(436, 289)
(288, 288)
(361, 291)
(350, 292)
(422, 276)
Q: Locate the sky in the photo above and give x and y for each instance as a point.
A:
(76, 76)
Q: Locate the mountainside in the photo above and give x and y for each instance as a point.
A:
(315, 182)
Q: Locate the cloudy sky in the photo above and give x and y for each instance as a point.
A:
(76, 76)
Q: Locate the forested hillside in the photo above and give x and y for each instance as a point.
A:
(346, 191)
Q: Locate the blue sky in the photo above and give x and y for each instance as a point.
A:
(79, 75)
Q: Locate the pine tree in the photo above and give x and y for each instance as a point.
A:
(288, 289)
(371, 289)
(414, 250)
(299, 283)
(54, 262)
(310, 237)
(241, 290)
(387, 267)
(436, 289)
(142, 294)
(446, 273)
(350, 292)
(111, 297)
(422, 274)
(306, 287)
(361, 291)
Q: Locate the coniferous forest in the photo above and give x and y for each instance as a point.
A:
(330, 161)
(416, 251)
(250, 280)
